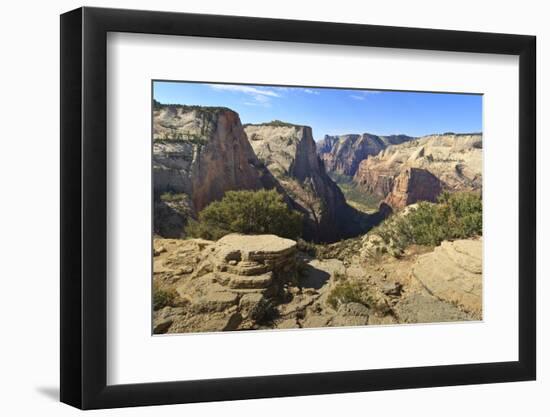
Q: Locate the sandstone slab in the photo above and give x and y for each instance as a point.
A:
(453, 272)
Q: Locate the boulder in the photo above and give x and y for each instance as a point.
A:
(215, 301)
(351, 314)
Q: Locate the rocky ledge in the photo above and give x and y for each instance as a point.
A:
(264, 282)
(453, 273)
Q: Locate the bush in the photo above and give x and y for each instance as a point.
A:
(348, 292)
(171, 197)
(455, 216)
(163, 298)
(247, 212)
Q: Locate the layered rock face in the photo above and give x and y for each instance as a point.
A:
(289, 153)
(199, 153)
(455, 160)
(411, 186)
(343, 154)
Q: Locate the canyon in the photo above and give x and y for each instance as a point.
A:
(351, 264)
(401, 170)
(200, 153)
(289, 153)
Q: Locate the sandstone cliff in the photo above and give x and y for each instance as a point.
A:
(413, 185)
(343, 154)
(199, 153)
(289, 153)
(455, 160)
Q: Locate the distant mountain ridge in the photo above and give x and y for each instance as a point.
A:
(455, 160)
(342, 154)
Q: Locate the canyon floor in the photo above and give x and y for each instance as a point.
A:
(243, 282)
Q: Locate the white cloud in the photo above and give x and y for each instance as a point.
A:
(246, 89)
(261, 96)
(310, 91)
(361, 95)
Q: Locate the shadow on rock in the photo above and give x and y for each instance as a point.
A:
(314, 278)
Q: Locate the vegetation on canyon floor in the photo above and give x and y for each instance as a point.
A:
(360, 199)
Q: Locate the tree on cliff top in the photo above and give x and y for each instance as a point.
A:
(247, 212)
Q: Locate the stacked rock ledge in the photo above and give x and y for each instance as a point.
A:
(237, 279)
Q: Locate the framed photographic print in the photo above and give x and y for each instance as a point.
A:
(256, 208)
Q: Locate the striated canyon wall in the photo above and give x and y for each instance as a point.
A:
(199, 153)
(290, 154)
(343, 154)
(453, 160)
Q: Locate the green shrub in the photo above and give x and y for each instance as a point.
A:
(454, 216)
(247, 212)
(348, 292)
(171, 197)
(163, 298)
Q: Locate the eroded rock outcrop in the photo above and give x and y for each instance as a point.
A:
(413, 185)
(289, 153)
(454, 159)
(199, 153)
(343, 154)
(229, 284)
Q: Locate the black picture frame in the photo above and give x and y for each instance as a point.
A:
(84, 207)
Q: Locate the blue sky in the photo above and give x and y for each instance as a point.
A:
(335, 111)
